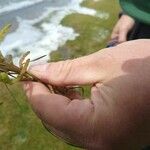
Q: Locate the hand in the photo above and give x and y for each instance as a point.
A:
(122, 28)
(117, 115)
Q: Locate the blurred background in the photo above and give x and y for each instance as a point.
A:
(59, 29)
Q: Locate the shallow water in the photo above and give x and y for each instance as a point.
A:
(36, 26)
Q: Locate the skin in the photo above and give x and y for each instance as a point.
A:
(122, 28)
(116, 116)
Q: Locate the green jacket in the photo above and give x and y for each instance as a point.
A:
(138, 9)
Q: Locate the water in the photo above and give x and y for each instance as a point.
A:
(36, 25)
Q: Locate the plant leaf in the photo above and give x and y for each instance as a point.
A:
(23, 58)
(9, 59)
(4, 31)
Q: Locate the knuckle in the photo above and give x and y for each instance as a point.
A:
(61, 71)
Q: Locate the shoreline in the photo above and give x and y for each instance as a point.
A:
(94, 32)
(26, 12)
(48, 31)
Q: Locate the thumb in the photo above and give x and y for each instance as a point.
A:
(84, 70)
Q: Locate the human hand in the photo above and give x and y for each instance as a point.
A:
(117, 115)
(122, 28)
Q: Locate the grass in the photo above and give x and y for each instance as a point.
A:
(94, 32)
(20, 129)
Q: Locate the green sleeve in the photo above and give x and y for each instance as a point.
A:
(138, 9)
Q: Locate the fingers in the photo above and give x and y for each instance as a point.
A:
(115, 33)
(119, 34)
(72, 93)
(55, 110)
(49, 107)
(84, 70)
(121, 29)
(119, 37)
(122, 35)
